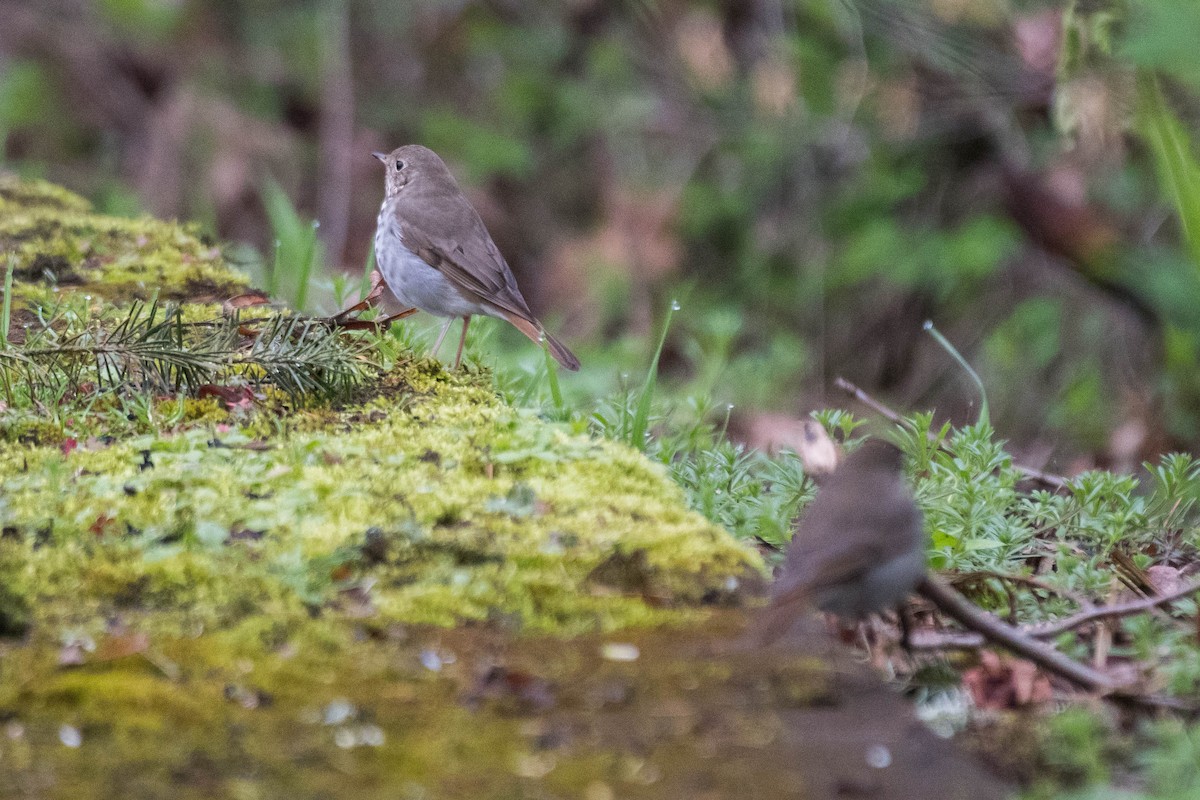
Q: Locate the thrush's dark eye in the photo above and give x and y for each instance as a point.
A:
(399, 165)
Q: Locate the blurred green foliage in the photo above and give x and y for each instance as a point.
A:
(820, 176)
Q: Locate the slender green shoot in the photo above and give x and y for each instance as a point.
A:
(641, 419)
(276, 271)
(6, 308)
(306, 264)
(962, 362)
(1174, 158)
(5, 321)
(552, 378)
(298, 250)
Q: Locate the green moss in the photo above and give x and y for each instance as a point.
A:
(57, 241)
(21, 195)
(451, 508)
(424, 500)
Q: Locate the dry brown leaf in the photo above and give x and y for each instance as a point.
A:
(247, 300)
(121, 645)
(1005, 683)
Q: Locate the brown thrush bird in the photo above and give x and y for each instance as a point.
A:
(435, 254)
(859, 548)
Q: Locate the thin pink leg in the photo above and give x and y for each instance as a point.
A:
(461, 341)
(438, 344)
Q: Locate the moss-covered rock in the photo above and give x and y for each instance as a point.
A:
(426, 500)
(56, 240)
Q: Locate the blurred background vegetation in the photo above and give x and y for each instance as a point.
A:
(810, 179)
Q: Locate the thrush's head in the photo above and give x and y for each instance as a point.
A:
(412, 165)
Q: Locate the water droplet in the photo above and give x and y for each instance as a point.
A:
(928, 324)
(70, 736)
(345, 738)
(675, 305)
(879, 756)
(620, 651)
(338, 711)
(430, 660)
(534, 765)
(371, 736)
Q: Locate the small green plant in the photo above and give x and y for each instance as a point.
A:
(627, 417)
(298, 253)
(5, 322)
(750, 494)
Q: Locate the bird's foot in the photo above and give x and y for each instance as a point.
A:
(344, 319)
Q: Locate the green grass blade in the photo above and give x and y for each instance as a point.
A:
(298, 249)
(364, 286)
(1174, 159)
(962, 362)
(306, 265)
(641, 418)
(552, 377)
(6, 309)
(5, 321)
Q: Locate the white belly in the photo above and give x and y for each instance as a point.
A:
(417, 284)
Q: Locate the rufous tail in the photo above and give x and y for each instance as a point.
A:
(537, 333)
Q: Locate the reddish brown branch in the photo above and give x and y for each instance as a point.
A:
(954, 605)
(1111, 612)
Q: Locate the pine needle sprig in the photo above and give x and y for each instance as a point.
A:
(150, 348)
(305, 359)
(145, 350)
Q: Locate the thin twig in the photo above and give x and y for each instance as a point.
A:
(954, 605)
(1111, 612)
(927, 640)
(1054, 481)
(870, 402)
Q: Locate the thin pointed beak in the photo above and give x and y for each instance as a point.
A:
(380, 156)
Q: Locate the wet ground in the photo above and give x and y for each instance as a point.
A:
(466, 713)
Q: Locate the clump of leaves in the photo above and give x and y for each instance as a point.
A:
(745, 491)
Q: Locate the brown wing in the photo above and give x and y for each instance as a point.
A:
(844, 533)
(470, 259)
